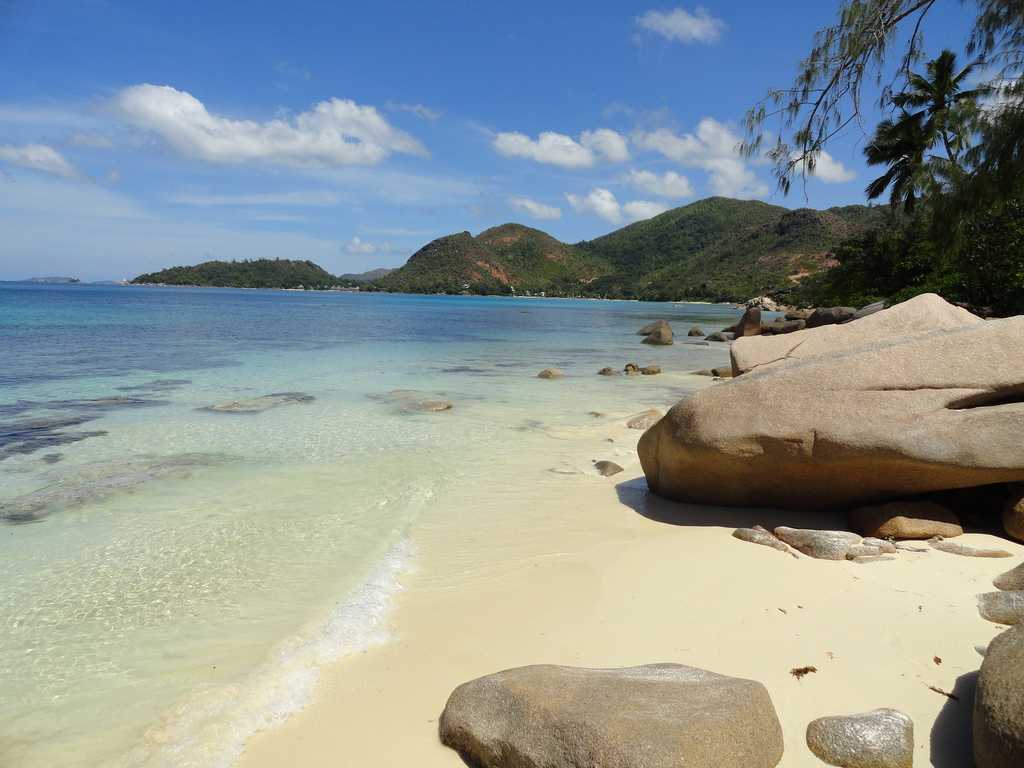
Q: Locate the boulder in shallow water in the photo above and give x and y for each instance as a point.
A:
(660, 337)
(631, 369)
(906, 519)
(607, 372)
(653, 716)
(607, 468)
(1011, 581)
(1002, 607)
(651, 370)
(650, 328)
(720, 336)
(644, 419)
(830, 316)
(749, 324)
(999, 703)
(695, 331)
(822, 545)
(260, 404)
(882, 738)
(905, 417)
(550, 373)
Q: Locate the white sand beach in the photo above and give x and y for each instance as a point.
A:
(576, 569)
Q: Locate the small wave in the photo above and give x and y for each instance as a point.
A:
(211, 729)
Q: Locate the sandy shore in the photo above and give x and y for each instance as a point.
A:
(544, 567)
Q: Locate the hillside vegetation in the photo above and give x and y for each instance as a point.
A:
(714, 249)
(257, 273)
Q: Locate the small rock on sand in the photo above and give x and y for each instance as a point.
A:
(1002, 607)
(764, 537)
(550, 373)
(885, 545)
(822, 545)
(956, 548)
(862, 550)
(1012, 580)
(607, 468)
(644, 419)
(873, 559)
(882, 738)
(909, 519)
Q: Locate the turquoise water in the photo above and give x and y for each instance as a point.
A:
(173, 577)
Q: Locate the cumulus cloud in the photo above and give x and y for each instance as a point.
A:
(682, 26)
(669, 184)
(535, 209)
(298, 199)
(637, 210)
(356, 245)
(558, 149)
(601, 202)
(714, 148)
(335, 132)
(828, 169)
(38, 157)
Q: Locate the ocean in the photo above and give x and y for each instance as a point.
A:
(174, 574)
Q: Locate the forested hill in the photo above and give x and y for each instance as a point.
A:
(716, 249)
(257, 273)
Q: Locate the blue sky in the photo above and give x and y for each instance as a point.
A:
(138, 135)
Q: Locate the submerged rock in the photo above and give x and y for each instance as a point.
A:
(1011, 581)
(653, 716)
(882, 738)
(907, 519)
(1002, 607)
(607, 468)
(550, 373)
(822, 545)
(261, 404)
(644, 419)
(999, 703)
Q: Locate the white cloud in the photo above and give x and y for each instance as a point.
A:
(558, 149)
(91, 140)
(828, 169)
(643, 209)
(334, 132)
(38, 157)
(598, 201)
(669, 184)
(679, 24)
(535, 209)
(607, 143)
(714, 148)
(298, 199)
(421, 111)
(355, 245)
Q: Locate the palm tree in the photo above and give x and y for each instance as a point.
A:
(934, 110)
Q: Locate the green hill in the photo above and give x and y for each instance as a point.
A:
(257, 273)
(718, 248)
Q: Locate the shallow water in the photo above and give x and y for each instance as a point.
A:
(172, 577)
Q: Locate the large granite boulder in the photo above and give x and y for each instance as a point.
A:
(1013, 513)
(650, 328)
(1011, 581)
(882, 738)
(830, 316)
(927, 312)
(749, 324)
(654, 716)
(920, 413)
(999, 703)
(660, 336)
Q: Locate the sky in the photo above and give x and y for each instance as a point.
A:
(140, 135)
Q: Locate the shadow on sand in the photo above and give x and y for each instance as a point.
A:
(951, 734)
(634, 494)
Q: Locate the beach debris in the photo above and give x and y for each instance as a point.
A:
(260, 404)
(607, 468)
(550, 373)
(908, 519)
(1011, 581)
(548, 716)
(764, 537)
(1002, 607)
(800, 672)
(651, 370)
(998, 726)
(644, 419)
(937, 660)
(882, 738)
(822, 545)
(941, 692)
(966, 550)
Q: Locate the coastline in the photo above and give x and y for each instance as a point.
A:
(567, 567)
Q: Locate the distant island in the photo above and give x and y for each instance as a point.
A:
(255, 273)
(53, 280)
(718, 249)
